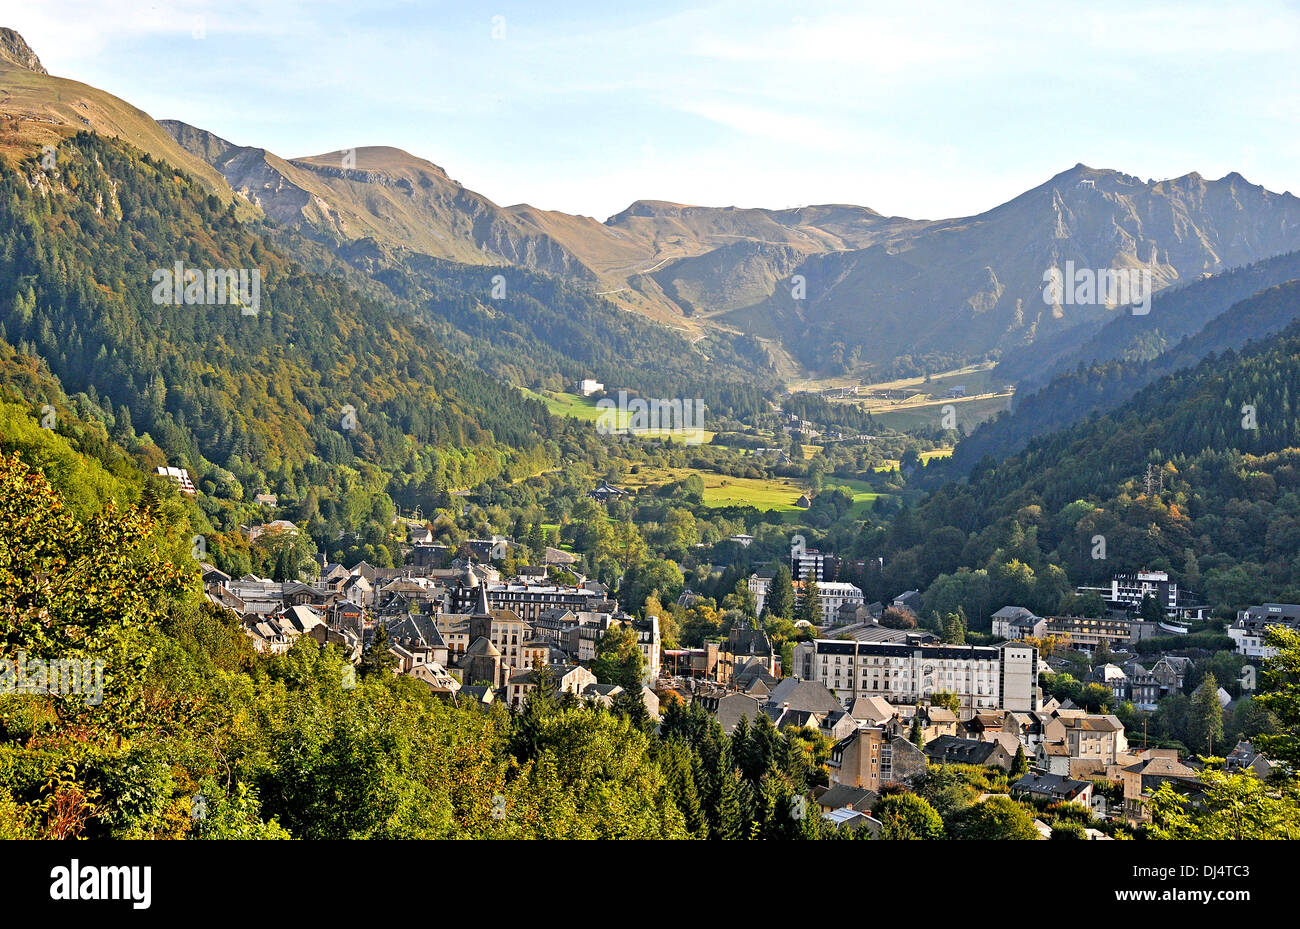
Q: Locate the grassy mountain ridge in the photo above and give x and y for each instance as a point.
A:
(379, 193)
(38, 109)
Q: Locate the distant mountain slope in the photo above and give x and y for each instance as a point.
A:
(966, 286)
(379, 193)
(873, 287)
(526, 330)
(1075, 395)
(15, 51)
(541, 330)
(839, 288)
(38, 109)
(1175, 313)
(400, 200)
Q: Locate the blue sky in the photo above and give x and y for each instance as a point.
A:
(938, 109)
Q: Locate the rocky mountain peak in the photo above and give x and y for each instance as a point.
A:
(14, 50)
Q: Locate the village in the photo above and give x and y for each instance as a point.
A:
(890, 699)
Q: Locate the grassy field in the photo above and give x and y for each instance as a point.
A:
(863, 495)
(891, 464)
(777, 494)
(912, 403)
(977, 378)
(560, 404)
(969, 411)
(585, 410)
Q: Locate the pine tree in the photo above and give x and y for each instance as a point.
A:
(1205, 725)
(917, 735)
(780, 595)
(629, 703)
(811, 609)
(377, 657)
(679, 765)
(954, 633)
(1191, 570)
(729, 813)
(1021, 763)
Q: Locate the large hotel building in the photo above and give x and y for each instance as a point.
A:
(983, 678)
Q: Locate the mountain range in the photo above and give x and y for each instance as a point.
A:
(827, 288)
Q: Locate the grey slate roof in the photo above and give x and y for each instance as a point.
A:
(1050, 786)
(730, 709)
(842, 795)
(803, 695)
(950, 749)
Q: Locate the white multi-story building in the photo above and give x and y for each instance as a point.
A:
(647, 638)
(758, 585)
(1248, 630)
(1131, 589)
(808, 562)
(1016, 622)
(833, 595)
(983, 678)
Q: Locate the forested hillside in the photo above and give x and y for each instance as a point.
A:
(1074, 395)
(528, 328)
(1223, 437)
(245, 402)
(1176, 313)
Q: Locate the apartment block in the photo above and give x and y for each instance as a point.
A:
(983, 678)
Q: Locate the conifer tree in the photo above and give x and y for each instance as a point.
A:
(811, 609)
(1021, 763)
(1205, 726)
(780, 595)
